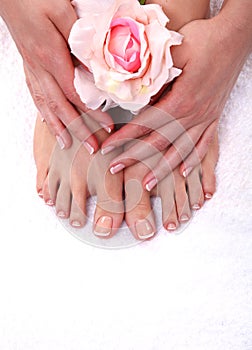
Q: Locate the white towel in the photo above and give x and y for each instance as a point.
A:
(178, 292)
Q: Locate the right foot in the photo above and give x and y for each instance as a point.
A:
(65, 178)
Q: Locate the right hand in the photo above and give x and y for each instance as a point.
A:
(40, 30)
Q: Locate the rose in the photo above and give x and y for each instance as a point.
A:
(125, 53)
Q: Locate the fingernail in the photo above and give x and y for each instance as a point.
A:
(171, 226)
(50, 202)
(88, 147)
(151, 184)
(107, 128)
(43, 120)
(184, 218)
(61, 214)
(208, 195)
(144, 229)
(107, 150)
(187, 171)
(60, 142)
(103, 226)
(76, 223)
(115, 169)
(196, 206)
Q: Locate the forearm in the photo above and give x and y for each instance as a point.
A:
(181, 12)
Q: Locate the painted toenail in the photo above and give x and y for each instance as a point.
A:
(61, 214)
(107, 150)
(171, 226)
(50, 202)
(76, 223)
(187, 171)
(196, 207)
(144, 229)
(40, 193)
(103, 226)
(151, 184)
(88, 147)
(60, 142)
(184, 218)
(208, 195)
(115, 169)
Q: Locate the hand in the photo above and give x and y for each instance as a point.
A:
(211, 56)
(40, 30)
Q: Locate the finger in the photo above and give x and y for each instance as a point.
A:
(157, 141)
(181, 148)
(55, 126)
(60, 107)
(200, 150)
(151, 119)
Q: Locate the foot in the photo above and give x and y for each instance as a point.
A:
(179, 196)
(66, 178)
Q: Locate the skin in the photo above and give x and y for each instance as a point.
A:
(40, 33)
(187, 116)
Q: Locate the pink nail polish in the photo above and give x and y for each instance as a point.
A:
(60, 142)
(107, 150)
(88, 147)
(115, 169)
(107, 128)
(151, 184)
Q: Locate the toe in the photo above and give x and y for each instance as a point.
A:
(195, 190)
(63, 200)
(181, 198)
(77, 217)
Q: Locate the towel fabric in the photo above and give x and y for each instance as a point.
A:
(179, 292)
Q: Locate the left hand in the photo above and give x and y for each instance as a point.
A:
(211, 56)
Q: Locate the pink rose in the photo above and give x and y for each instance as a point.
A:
(125, 48)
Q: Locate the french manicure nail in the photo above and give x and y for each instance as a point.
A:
(208, 195)
(171, 226)
(107, 150)
(107, 128)
(144, 229)
(103, 226)
(88, 147)
(184, 218)
(75, 223)
(115, 169)
(187, 171)
(61, 214)
(196, 206)
(40, 193)
(151, 184)
(60, 142)
(50, 202)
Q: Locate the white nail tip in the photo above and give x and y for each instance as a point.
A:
(103, 234)
(60, 142)
(146, 236)
(88, 147)
(187, 171)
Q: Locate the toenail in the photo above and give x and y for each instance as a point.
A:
(88, 147)
(60, 142)
(208, 195)
(144, 229)
(40, 193)
(184, 218)
(151, 184)
(196, 206)
(61, 214)
(76, 223)
(50, 202)
(115, 169)
(171, 226)
(103, 226)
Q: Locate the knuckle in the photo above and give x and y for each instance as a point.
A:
(160, 142)
(38, 98)
(53, 106)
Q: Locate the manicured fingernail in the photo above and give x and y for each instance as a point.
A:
(60, 142)
(196, 207)
(171, 226)
(61, 214)
(107, 150)
(42, 120)
(115, 169)
(151, 184)
(88, 147)
(144, 229)
(103, 226)
(76, 223)
(187, 171)
(208, 195)
(184, 218)
(50, 202)
(107, 128)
